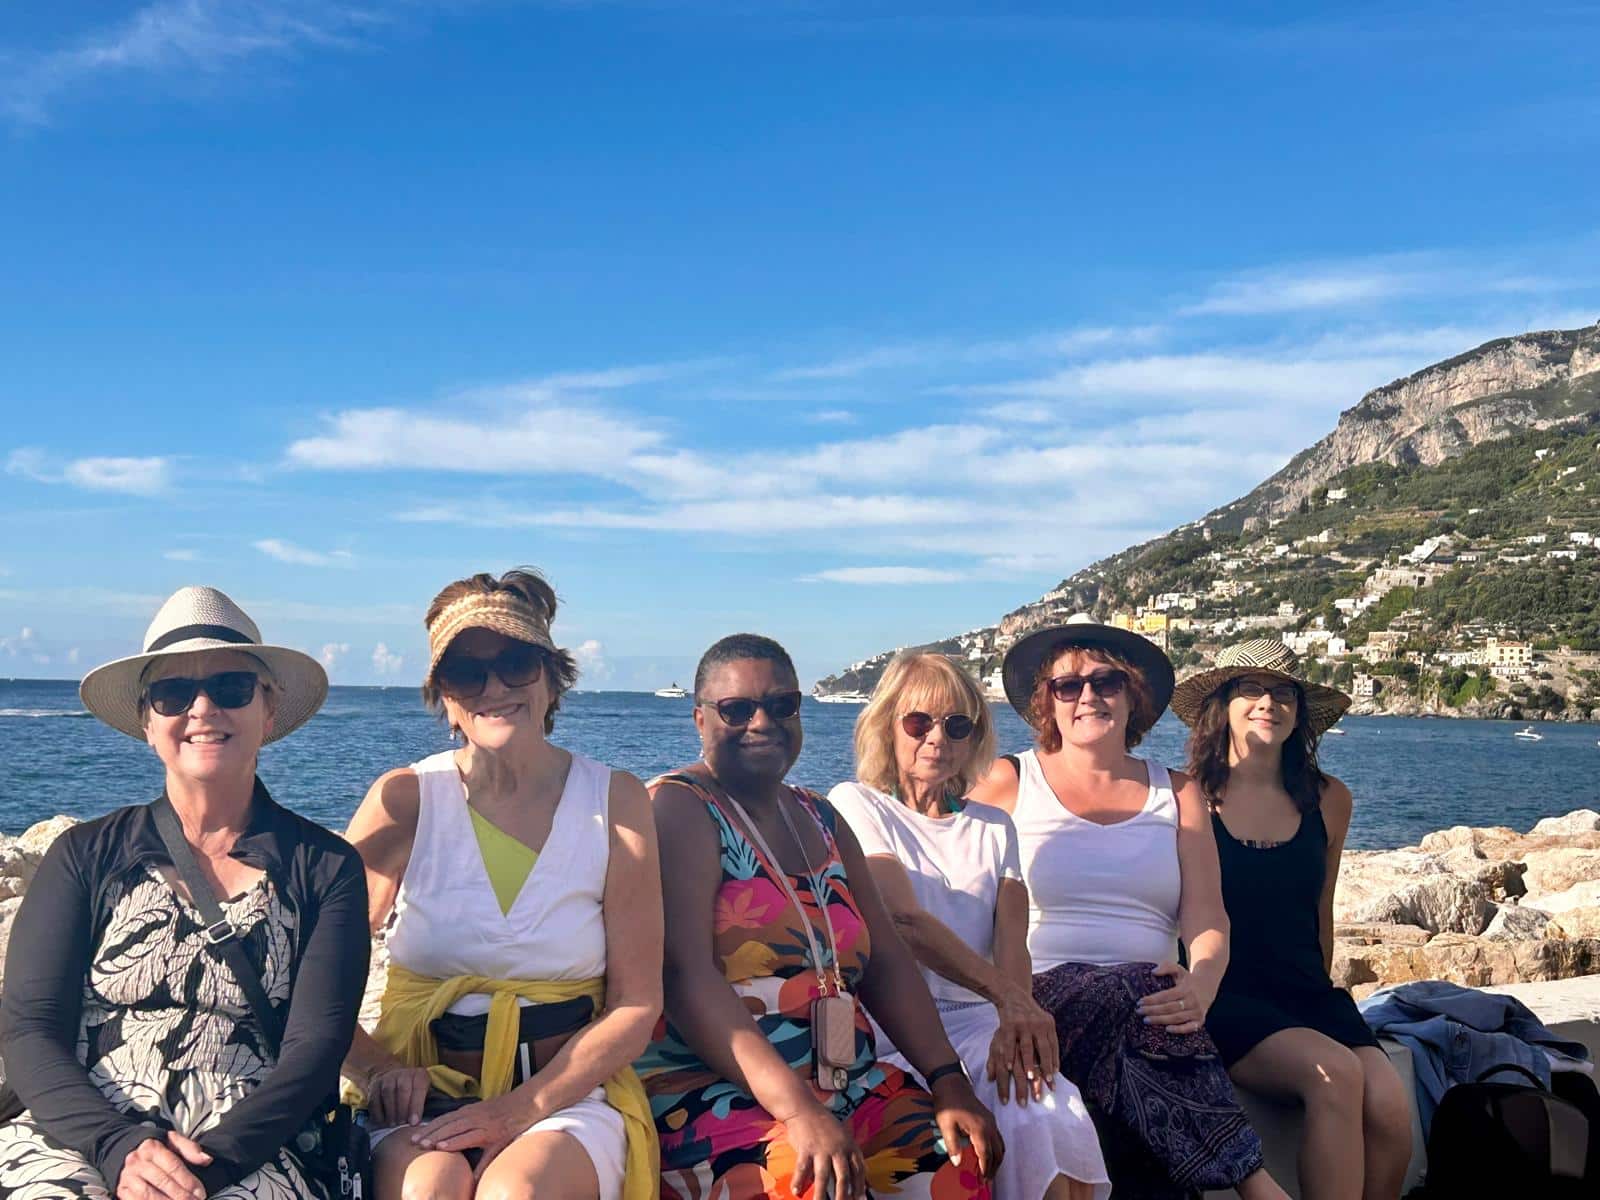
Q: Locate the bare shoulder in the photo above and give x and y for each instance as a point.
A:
(1191, 801)
(393, 801)
(998, 786)
(629, 804)
(681, 819)
(1337, 802)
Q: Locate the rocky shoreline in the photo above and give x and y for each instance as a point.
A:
(1476, 906)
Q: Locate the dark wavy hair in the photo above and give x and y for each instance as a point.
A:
(1208, 751)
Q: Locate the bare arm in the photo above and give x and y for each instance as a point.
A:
(1011, 933)
(1337, 805)
(383, 831)
(933, 942)
(1202, 919)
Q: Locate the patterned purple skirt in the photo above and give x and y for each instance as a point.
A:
(1162, 1103)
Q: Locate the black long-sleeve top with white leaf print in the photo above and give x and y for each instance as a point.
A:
(56, 936)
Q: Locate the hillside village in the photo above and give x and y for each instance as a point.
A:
(1468, 586)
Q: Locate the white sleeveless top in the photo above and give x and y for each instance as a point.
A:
(1099, 894)
(447, 921)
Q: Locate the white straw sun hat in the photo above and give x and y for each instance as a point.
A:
(202, 618)
(1259, 656)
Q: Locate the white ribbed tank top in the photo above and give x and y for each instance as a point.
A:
(1098, 893)
(447, 921)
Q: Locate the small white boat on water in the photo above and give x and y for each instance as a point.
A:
(1335, 732)
(1528, 735)
(672, 693)
(844, 698)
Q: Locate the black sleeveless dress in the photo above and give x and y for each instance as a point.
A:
(1275, 978)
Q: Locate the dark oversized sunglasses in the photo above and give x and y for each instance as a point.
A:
(1106, 684)
(739, 710)
(957, 726)
(174, 696)
(465, 677)
(1281, 693)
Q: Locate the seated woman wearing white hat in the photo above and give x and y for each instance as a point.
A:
(525, 952)
(126, 1033)
(1120, 867)
(1281, 1026)
(948, 871)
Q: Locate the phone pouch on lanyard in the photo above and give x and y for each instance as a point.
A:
(833, 1040)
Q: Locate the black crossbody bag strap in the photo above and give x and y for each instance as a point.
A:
(219, 932)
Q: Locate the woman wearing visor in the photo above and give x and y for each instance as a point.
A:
(525, 949)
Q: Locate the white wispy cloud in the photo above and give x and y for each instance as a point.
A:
(549, 440)
(173, 38)
(1361, 282)
(870, 576)
(331, 654)
(132, 476)
(949, 353)
(288, 552)
(592, 665)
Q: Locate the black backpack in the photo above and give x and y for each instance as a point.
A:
(1509, 1141)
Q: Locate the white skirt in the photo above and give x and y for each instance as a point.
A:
(597, 1127)
(1049, 1137)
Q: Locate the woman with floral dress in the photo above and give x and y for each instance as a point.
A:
(763, 1076)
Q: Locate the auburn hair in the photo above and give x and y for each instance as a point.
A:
(1142, 710)
(559, 667)
(1211, 738)
(929, 683)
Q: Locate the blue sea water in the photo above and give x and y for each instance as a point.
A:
(1409, 776)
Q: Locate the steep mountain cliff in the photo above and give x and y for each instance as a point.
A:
(1509, 388)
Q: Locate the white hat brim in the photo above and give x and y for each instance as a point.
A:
(111, 691)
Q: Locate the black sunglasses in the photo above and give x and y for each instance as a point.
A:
(1281, 693)
(957, 726)
(465, 677)
(1106, 684)
(738, 710)
(174, 696)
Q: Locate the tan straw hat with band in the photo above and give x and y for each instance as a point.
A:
(504, 613)
(1258, 656)
(202, 618)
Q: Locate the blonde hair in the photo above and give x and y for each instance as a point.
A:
(928, 683)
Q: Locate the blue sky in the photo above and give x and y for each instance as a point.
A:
(857, 324)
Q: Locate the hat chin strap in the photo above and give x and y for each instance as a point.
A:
(184, 633)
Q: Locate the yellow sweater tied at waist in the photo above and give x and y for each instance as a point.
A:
(412, 1002)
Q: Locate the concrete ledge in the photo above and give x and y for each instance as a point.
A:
(1568, 1007)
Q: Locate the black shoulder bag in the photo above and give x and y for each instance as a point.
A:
(333, 1146)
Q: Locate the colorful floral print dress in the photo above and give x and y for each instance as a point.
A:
(717, 1142)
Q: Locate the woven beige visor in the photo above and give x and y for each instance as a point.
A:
(502, 612)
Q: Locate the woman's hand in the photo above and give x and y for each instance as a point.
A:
(825, 1152)
(963, 1119)
(488, 1125)
(395, 1094)
(159, 1170)
(1182, 1007)
(1024, 1050)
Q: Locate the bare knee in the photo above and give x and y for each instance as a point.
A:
(437, 1177)
(1333, 1080)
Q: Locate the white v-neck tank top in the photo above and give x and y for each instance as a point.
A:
(1097, 893)
(447, 921)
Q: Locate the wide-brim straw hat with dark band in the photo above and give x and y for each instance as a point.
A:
(202, 618)
(1021, 666)
(1259, 656)
(505, 613)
